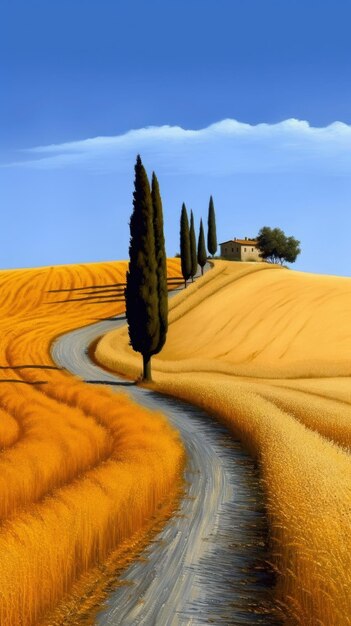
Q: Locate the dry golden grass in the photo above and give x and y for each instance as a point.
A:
(267, 350)
(81, 469)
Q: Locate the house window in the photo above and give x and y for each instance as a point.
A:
(252, 249)
(244, 249)
(237, 249)
(232, 249)
(225, 249)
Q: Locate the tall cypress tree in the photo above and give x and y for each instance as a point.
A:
(142, 308)
(193, 252)
(212, 231)
(185, 255)
(201, 249)
(161, 263)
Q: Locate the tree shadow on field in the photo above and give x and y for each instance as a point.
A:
(22, 367)
(24, 382)
(108, 286)
(89, 299)
(87, 287)
(111, 292)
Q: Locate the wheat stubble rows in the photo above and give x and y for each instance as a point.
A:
(69, 452)
(270, 356)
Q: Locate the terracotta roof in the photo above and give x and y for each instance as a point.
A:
(242, 242)
(249, 242)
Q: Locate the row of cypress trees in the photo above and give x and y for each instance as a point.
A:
(190, 255)
(146, 281)
(146, 291)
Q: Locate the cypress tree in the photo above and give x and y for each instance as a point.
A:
(201, 249)
(212, 231)
(142, 310)
(161, 263)
(193, 252)
(185, 255)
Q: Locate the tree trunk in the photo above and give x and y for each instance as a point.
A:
(147, 368)
(202, 270)
(185, 284)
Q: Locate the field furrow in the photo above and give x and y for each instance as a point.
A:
(81, 469)
(268, 351)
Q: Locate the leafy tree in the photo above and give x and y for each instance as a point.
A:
(276, 247)
(201, 249)
(193, 251)
(142, 305)
(185, 253)
(292, 250)
(211, 231)
(161, 263)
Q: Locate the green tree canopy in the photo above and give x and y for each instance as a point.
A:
(185, 253)
(193, 250)
(142, 306)
(211, 231)
(161, 263)
(276, 247)
(201, 249)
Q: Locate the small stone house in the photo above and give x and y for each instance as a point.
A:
(240, 250)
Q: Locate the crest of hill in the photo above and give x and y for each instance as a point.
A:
(266, 350)
(256, 320)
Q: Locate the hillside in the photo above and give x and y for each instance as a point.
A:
(267, 350)
(69, 452)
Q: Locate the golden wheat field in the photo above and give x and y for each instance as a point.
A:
(81, 469)
(268, 351)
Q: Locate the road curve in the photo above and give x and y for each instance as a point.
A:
(208, 563)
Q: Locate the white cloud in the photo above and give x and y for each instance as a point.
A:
(226, 147)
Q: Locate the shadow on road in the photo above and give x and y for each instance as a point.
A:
(127, 383)
(113, 318)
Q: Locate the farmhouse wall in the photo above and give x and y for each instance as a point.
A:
(240, 250)
(249, 253)
(231, 250)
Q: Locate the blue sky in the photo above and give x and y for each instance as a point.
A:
(234, 71)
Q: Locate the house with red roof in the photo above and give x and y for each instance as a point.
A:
(240, 250)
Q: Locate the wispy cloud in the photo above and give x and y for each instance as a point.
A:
(226, 147)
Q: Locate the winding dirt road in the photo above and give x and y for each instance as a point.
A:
(207, 565)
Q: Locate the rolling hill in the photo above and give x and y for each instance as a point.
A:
(267, 351)
(73, 463)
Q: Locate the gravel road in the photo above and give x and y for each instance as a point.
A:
(207, 566)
